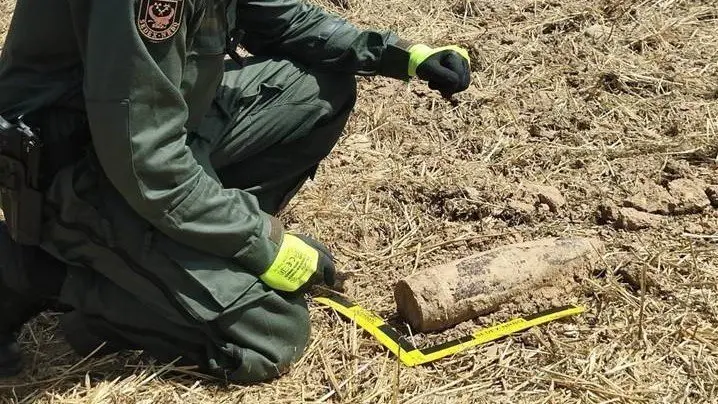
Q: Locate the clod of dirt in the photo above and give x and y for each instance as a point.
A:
(546, 194)
(597, 31)
(517, 213)
(522, 207)
(632, 219)
(651, 198)
(675, 169)
(712, 192)
(532, 274)
(690, 196)
(637, 280)
(607, 212)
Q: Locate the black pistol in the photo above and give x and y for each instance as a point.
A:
(19, 181)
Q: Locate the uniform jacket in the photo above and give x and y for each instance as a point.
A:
(144, 73)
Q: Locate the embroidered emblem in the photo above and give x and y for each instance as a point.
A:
(159, 20)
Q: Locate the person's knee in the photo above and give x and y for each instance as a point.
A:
(268, 332)
(261, 366)
(339, 90)
(335, 95)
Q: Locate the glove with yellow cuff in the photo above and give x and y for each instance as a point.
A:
(446, 69)
(300, 263)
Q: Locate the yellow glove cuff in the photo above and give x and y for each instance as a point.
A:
(419, 53)
(295, 264)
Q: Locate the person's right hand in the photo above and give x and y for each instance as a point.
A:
(446, 69)
(300, 263)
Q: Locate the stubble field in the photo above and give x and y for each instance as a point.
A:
(614, 103)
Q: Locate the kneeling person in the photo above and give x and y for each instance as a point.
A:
(164, 166)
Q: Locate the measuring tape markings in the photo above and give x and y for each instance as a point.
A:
(374, 325)
(409, 355)
(493, 333)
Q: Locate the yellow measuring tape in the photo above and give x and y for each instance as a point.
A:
(409, 355)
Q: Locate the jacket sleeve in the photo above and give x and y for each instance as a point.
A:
(137, 117)
(310, 35)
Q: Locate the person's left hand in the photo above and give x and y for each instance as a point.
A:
(446, 69)
(301, 262)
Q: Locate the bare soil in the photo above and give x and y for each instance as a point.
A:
(602, 100)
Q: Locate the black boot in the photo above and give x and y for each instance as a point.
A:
(10, 357)
(15, 310)
(30, 281)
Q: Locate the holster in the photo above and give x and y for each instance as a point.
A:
(20, 151)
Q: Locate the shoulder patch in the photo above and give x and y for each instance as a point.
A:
(159, 20)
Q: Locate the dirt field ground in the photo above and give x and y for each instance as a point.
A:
(612, 102)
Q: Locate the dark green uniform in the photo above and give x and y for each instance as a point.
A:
(164, 163)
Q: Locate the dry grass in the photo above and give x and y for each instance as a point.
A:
(591, 96)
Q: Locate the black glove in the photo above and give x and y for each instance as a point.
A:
(326, 271)
(446, 69)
